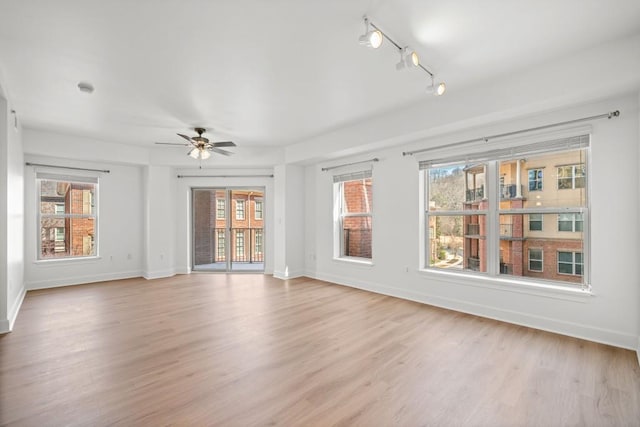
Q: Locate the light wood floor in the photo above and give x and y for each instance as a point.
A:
(244, 350)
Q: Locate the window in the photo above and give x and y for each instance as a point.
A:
(220, 208)
(535, 222)
(68, 216)
(570, 263)
(258, 209)
(470, 225)
(571, 177)
(221, 250)
(239, 245)
(353, 206)
(258, 242)
(240, 209)
(570, 222)
(535, 179)
(535, 260)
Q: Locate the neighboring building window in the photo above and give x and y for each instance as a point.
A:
(570, 222)
(239, 245)
(221, 249)
(535, 179)
(258, 242)
(570, 263)
(68, 216)
(571, 177)
(258, 209)
(220, 208)
(353, 222)
(470, 225)
(240, 209)
(535, 222)
(535, 260)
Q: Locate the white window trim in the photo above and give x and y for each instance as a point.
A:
(573, 262)
(453, 156)
(541, 179)
(338, 218)
(541, 260)
(39, 176)
(541, 221)
(243, 210)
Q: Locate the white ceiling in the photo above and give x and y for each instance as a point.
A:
(271, 72)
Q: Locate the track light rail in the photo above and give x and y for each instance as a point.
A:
(609, 115)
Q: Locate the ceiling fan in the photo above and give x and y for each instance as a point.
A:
(201, 148)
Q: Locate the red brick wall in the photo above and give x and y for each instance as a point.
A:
(357, 230)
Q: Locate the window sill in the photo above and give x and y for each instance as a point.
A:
(357, 261)
(548, 290)
(64, 261)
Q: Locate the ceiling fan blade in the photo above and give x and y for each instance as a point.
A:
(219, 151)
(187, 138)
(223, 144)
(173, 143)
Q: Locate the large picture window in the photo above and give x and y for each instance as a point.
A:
(473, 224)
(67, 216)
(353, 220)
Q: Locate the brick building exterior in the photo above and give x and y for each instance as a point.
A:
(244, 217)
(546, 246)
(356, 230)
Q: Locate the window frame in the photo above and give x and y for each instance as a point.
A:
(340, 215)
(541, 260)
(573, 262)
(541, 221)
(240, 202)
(94, 215)
(539, 180)
(574, 221)
(573, 177)
(256, 210)
(221, 202)
(493, 155)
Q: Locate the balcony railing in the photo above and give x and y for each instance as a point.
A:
(473, 263)
(473, 229)
(509, 191)
(247, 248)
(475, 194)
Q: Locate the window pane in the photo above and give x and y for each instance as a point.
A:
(565, 167)
(456, 187)
(357, 196)
(565, 257)
(356, 233)
(565, 268)
(457, 242)
(59, 197)
(65, 237)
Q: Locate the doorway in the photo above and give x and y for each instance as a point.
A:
(228, 229)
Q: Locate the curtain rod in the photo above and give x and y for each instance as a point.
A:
(225, 176)
(68, 167)
(375, 159)
(501, 135)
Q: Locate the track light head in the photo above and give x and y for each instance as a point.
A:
(408, 58)
(372, 38)
(437, 89)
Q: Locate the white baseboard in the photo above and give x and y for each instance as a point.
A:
(80, 280)
(638, 351)
(282, 275)
(159, 274)
(590, 333)
(4, 326)
(15, 307)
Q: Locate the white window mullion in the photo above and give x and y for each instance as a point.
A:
(493, 219)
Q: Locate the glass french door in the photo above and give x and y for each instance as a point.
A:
(228, 229)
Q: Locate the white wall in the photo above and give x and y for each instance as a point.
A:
(159, 221)
(183, 261)
(609, 316)
(120, 228)
(12, 289)
(289, 221)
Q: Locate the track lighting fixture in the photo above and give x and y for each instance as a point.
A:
(374, 36)
(408, 58)
(436, 89)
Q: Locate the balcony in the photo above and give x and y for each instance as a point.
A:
(473, 263)
(508, 191)
(475, 194)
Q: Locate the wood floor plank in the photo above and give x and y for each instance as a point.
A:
(245, 350)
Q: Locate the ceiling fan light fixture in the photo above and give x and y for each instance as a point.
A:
(204, 154)
(195, 153)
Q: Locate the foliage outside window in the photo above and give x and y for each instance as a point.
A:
(471, 231)
(354, 203)
(67, 217)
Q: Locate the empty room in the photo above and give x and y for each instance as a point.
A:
(319, 213)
